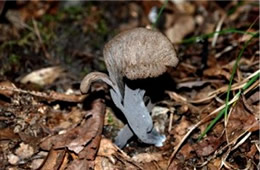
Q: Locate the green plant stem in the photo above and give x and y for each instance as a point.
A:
(248, 84)
(251, 81)
(234, 71)
(226, 31)
(160, 13)
(221, 113)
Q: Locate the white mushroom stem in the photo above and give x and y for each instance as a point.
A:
(138, 118)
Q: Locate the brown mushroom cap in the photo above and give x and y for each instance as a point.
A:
(139, 53)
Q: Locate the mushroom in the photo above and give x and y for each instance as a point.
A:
(139, 53)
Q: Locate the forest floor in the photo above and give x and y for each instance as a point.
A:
(47, 47)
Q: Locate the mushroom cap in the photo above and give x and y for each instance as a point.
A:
(139, 53)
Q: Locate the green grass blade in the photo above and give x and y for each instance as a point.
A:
(251, 81)
(226, 31)
(234, 71)
(248, 84)
(160, 13)
(221, 113)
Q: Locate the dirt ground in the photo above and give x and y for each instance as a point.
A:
(207, 106)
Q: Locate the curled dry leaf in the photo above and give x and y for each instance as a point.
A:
(77, 138)
(43, 76)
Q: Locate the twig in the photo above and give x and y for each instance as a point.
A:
(37, 33)
(215, 37)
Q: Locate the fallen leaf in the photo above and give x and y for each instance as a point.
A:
(179, 130)
(36, 163)
(186, 152)
(207, 146)
(240, 120)
(24, 151)
(182, 27)
(216, 71)
(5, 87)
(109, 155)
(8, 134)
(147, 157)
(53, 160)
(77, 138)
(13, 159)
(78, 164)
(43, 76)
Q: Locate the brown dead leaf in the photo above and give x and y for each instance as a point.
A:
(255, 97)
(13, 159)
(184, 6)
(147, 157)
(216, 71)
(60, 121)
(36, 9)
(5, 87)
(43, 76)
(203, 93)
(179, 130)
(252, 152)
(8, 134)
(107, 148)
(24, 151)
(177, 165)
(14, 17)
(104, 163)
(111, 157)
(76, 138)
(240, 120)
(215, 164)
(89, 152)
(207, 146)
(78, 164)
(54, 160)
(36, 163)
(186, 152)
(182, 27)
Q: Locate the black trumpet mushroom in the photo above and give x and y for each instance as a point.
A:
(139, 53)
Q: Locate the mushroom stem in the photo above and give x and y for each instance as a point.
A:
(138, 118)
